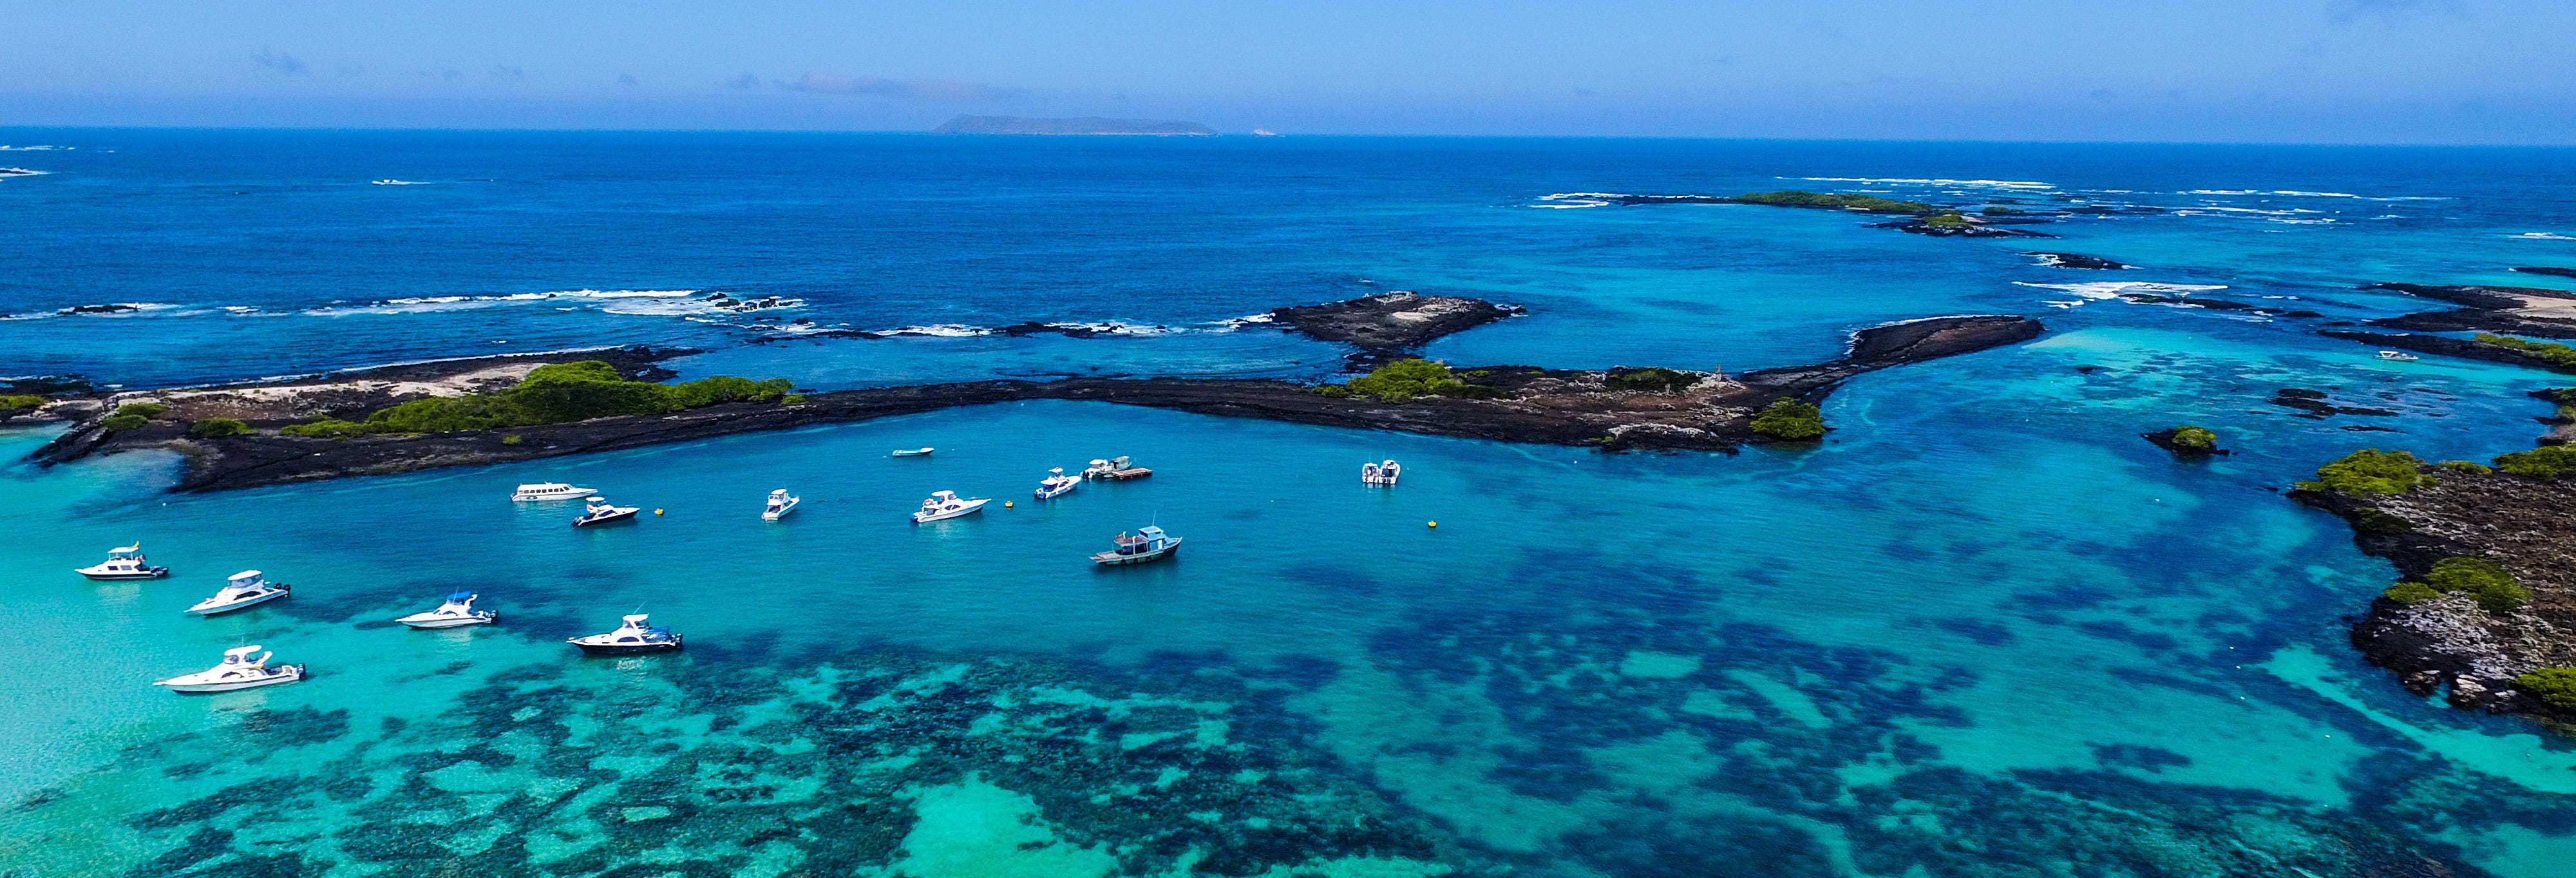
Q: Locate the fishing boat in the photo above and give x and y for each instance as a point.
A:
(1149, 544)
(238, 671)
(923, 451)
(2400, 356)
(1380, 473)
(945, 505)
(1057, 484)
(457, 612)
(1115, 469)
(123, 562)
(599, 511)
(241, 591)
(635, 636)
(550, 491)
(780, 503)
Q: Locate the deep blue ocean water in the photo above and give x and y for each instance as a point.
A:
(1982, 629)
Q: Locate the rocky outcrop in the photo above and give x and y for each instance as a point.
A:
(1392, 325)
(2547, 270)
(2447, 346)
(1962, 228)
(1509, 404)
(2075, 260)
(2165, 439)
(2532, 311)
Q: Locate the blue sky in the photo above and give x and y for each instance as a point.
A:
(2315, 71)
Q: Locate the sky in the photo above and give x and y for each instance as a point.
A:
(2273, 71)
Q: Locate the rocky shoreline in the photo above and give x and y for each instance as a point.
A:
(1387, 327)
(1516, 404)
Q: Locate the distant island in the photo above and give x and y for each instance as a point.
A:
(1085, 125)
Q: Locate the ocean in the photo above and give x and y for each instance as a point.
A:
(1982, 629)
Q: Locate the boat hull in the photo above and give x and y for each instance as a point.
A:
(928, 517)
(232, 685)
(244, 604)
(769, 515)
(628, 515)
(447, 622)
(628, 648)
(154, 573)
(1113, 559)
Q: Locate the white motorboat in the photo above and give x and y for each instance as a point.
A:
(923, 451)
(1380, 473)
(550, 491)
(780, 503)
(635, 636)
(1057, 484)
(124, 562)
(239, 671)
(457, 612)
(2400, 356)
(600, 511)
(241, 591)
(945, 505)
(1149, 544)
(1115, 469)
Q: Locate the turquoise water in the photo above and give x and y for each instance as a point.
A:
(1982, 629)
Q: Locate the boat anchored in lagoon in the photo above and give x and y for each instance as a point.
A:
(241, 591)
(923, 451)
(1380, 473)
(550, 491)
(457, 612)
(1115, 469)
(238, 671)
(780, 503)
(2397, 356)
(1057, 484)
(1149, 544)
(123, 562)
(945, 505)
(635, 636)
(599, 511)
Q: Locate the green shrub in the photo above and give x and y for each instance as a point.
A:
(1335, 391)
(2545, 462)
(444, 414)
(1946, 219)
(1405, 379)
(513, 439)
(325, 428)
(1787, 418)
(2411, 592)
(2465, 466)
(792, 399)
(2485, 580)
(14, 403)
(1862, 203)
(1651, 379)
(2196, 437)
(2555, 687)
(2554, 353)
(215, 427)
(726, 388)
(141, 409)
(2000, 210)
(2372, 471)
(122, 423)
(2370, 520)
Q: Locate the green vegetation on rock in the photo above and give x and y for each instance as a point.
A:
(122, 423)
(2556, 354)
(513, 439)
(2196, 437)
(2555, 687)
(1862, 203)
(14, 403)
(1406, 379)
(2411, 592)
(2371, 471)
(1790, 419)
(1946, 219)
(2000, 210)
(1652, 379)
(215, 427)
(2545, 462)
(792, 399)
(551, 394)
(2487, 581)
(141, 409)
(2465, 466)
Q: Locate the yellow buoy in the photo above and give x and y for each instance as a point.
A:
(1433, 524)
(1006, 504)
(657, 512)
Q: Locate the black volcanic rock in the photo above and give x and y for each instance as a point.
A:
(2075, 260)
(1969, 229)
(2165, 439)
(2547, 270)
(1387, 326)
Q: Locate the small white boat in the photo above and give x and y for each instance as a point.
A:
(1149, 544)
(2400, 356)
(945, 505)
(241, 591)
(1380, 473)
(124, 562)
(914, 452)
(550, 491)
(780, 503)
(635, 636)
(457, 612)
(1057, 484)
(239, 671)
(1115, 469)
(599, 511)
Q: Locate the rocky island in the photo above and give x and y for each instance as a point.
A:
(1993, 221)
(471, 412)
(1388, 326)
(1086, 125)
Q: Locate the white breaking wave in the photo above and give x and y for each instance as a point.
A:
(2545, 236)
(674, 303)
(37, 148)
(393, 182)
(1934, 181)
(2111, 289)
